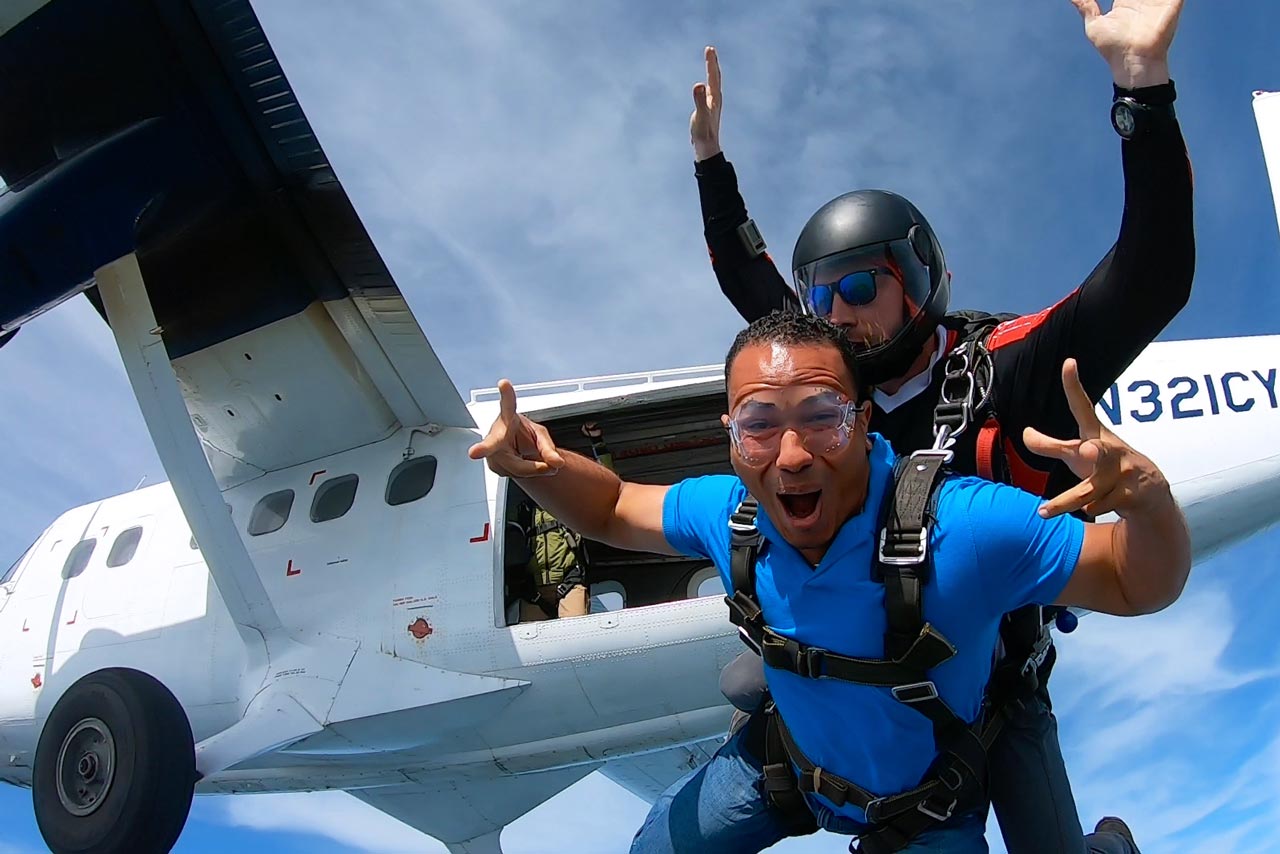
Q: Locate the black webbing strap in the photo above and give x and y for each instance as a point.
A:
(744, 546)
(896, 819)
(902, 563)
(929, 649)
(939, 794)
(902, 560)
(744, 549)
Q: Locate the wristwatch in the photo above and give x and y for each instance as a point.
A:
(1131, 119)
(1134, 112)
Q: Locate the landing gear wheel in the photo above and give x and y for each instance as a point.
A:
(115, 768)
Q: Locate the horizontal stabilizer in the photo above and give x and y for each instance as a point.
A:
(467, 807)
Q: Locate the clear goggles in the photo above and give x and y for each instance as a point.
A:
(853, 277)
(821, 418)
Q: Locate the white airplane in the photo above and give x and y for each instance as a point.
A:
(345, 625)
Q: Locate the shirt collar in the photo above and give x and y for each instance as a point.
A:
(915, 385)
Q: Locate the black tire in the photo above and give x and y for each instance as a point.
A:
(128, 771)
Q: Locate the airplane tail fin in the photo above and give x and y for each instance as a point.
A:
(1266, 110)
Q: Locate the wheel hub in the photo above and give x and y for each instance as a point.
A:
(86, 767)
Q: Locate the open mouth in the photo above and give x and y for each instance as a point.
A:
(801, 507)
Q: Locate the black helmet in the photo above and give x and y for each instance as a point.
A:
(861, 231)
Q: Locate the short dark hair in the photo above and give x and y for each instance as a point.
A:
(792, 327)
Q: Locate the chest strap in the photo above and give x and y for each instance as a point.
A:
(901, 564)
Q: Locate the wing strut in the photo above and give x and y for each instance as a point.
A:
(133, 323)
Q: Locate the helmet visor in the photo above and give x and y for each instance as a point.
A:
(857, 277)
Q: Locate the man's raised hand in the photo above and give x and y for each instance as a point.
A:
(1113, 475)
(1134, 37)
(516, 446)
(704, 123)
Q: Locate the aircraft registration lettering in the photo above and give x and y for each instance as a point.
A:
(1143, 401)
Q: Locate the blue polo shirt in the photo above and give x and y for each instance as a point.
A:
(992, 553)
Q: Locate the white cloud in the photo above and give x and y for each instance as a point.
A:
(335, 815)
(1162, 724)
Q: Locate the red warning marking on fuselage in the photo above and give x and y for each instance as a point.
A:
(482, 537)
(315, 475)
(289, 570)
(24, 626)
(36, 681)
(73, 619)
(420, 628)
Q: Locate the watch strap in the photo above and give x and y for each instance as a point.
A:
(1152, 96)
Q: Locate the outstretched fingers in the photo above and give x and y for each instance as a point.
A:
(1087, 8)
(1071, 500)
(1078, 399)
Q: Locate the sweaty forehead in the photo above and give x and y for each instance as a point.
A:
(760, 367)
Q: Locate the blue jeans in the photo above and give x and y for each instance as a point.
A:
(721, 807)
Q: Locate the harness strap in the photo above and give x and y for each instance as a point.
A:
(929, 649)
(903, 556)
(913, 647)
(988, 436)
(940, 793)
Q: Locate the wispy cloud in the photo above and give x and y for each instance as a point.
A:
(1167, 720)
(537, 184)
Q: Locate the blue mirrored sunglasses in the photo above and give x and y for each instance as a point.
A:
(857, 288)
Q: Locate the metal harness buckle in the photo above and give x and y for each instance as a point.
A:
(916, 557)
(1039, 651)
(809, 662)
(924, 807)
(916, 692)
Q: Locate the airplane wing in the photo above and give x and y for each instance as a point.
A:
(468, 812)
(167, 128)
(156, 157)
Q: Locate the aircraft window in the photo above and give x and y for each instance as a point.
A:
(704, 581)
(334, 498)
(125, 547)
(270, 513)
(78, 558)
(411, 480)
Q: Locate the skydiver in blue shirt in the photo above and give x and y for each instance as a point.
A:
(798, 418)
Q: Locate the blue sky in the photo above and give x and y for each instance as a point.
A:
(525, 172)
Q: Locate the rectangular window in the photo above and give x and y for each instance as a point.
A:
(78, 558)
(334, 498)
(270, 513)
(125, 546)
(411, 480)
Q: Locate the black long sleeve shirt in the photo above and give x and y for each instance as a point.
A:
(1121, 306)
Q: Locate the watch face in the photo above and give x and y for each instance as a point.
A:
(1122, 117)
